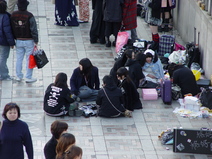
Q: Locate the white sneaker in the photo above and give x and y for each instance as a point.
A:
(18, 79)
(30, 80)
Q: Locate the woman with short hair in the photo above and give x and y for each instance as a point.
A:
(14, 134)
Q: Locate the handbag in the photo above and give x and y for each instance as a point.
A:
(206, 97)
(122, 39)
(40, 58)
(126, 113)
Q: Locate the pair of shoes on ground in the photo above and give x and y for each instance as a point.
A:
(27, 80)
(108, 44)
(76, 112)
(81, 21)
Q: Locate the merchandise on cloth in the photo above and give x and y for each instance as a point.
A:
(166, 137)
(40, 58)
(89, 110)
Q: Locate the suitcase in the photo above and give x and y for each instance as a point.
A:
(166, 44)
(166, 93)
(149, 94)
(204, 83)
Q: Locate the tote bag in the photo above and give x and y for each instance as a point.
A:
(40, 58)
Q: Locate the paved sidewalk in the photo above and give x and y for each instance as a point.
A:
(100, 138)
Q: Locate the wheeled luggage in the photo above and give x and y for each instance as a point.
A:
(166, 93)
(166, 44)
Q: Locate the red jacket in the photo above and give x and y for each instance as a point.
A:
(129, 20)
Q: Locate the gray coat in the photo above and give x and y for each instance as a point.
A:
(112, 10)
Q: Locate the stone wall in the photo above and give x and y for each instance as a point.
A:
(194, 24)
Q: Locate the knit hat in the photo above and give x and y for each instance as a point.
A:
(22, 4)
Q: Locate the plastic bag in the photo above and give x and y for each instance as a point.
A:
(122, 39)
(179, 47)
(32, 62)
(178, 57)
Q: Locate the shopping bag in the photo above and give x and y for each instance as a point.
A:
(32, 62)
(40, 58)
(122, 39)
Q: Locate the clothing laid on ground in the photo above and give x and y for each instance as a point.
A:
(185, 79)
(6, 40)
(97, 30)
(135, 71)
(57, 100)
(50, 148)
(86, 89)
(65, 13)
(14, 135)
(25, 31)
(130, 94)
(115, 96)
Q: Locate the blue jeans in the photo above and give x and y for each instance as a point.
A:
(86, 94)
(23, 47)
(4, 54)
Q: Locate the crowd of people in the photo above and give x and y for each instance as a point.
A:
(60, 146)
(119, 90)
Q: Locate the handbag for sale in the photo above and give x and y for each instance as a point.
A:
(40, 58)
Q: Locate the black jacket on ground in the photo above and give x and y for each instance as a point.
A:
(135, 71)
(130, 94)
(50, 148)
(115, 96)
(185, 79)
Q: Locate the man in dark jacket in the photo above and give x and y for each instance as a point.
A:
(6, 41)
(25, 31)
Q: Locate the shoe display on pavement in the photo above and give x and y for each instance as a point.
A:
(30, 80)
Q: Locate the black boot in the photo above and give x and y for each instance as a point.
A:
(108, 43)
(166, 28)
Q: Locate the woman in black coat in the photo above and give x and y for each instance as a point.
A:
(130, 93)
(134, 67)
(114, 107)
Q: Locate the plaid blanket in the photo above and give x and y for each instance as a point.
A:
(166, 44)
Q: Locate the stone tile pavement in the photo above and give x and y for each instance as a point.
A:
(100, 138)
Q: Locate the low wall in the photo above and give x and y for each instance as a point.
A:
(194, 24)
